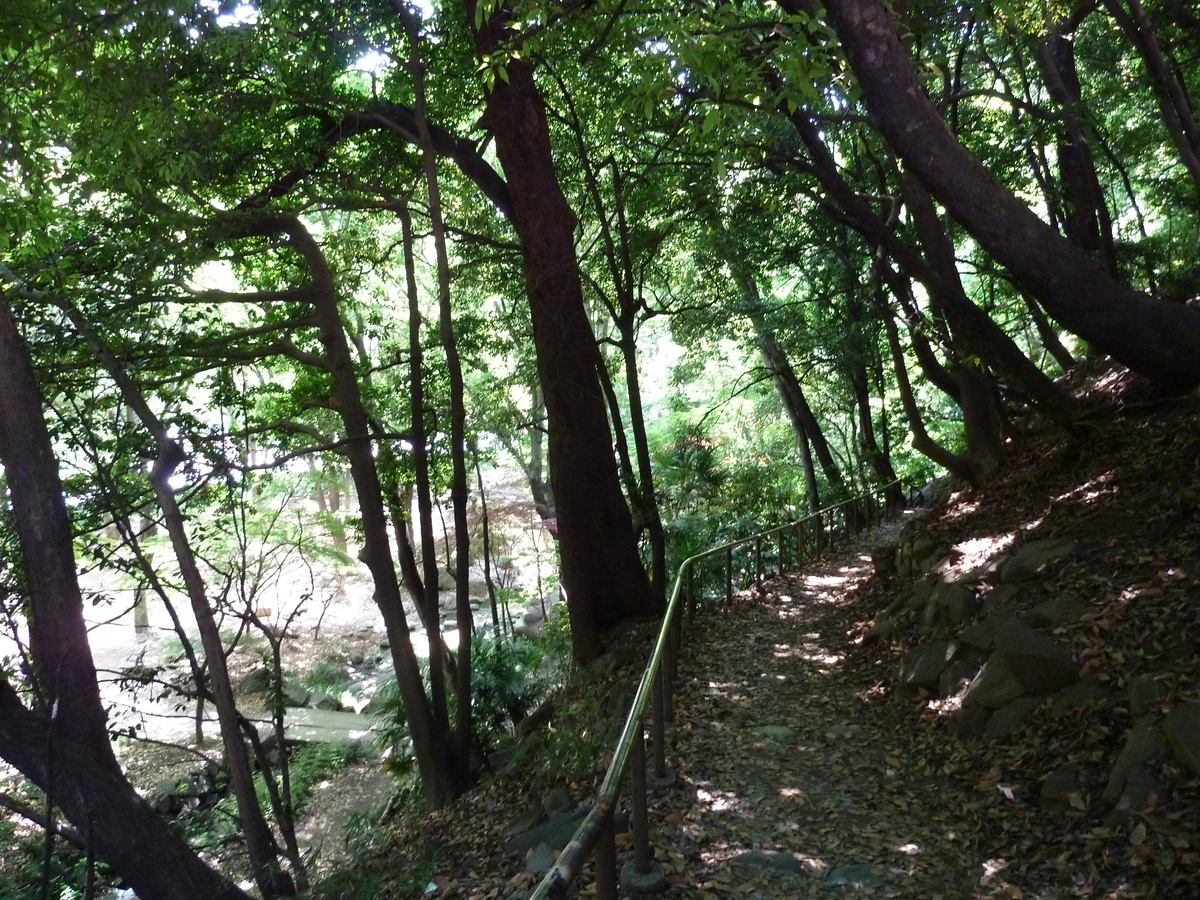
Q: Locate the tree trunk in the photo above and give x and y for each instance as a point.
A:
(1170, 92)
(61, 743)
(1157, 339)
(1087, 222)
(602, 575)
(441, 776)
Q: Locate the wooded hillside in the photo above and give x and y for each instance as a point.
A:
(297, 274)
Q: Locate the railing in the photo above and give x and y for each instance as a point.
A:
(596, 834)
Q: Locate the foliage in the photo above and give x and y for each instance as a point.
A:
(24, 866)
(506, 684)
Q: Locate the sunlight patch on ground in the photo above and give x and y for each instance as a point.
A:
(1090, 491)
(975, 555)
(808, 652)
(718, 801)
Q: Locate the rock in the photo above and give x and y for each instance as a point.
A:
(959, 673)
(1182, 729)
(1009, 716)
(1001, 597)
(295, 695)
(1145, 745)
(970, 721)
(922, 667)
(557, 801)
(541, 859)
(526, 821)
(446, 581)
(914, 558)
(949, 604)
(1063, 789)
(861, 875)
(994, 686)
(1037, 661)
(529, 632)
(533, 616)
(1035, 555)
(880, 630)
(769, 859)
(1145, 694)
(1057, 611)
(1142, 792)
(1085, 692)
(256, 681)
(982, 635)
(555, 833)
(322, 701)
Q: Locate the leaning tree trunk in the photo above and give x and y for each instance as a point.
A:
(61, 743)
(1158, 339)
(602, 575)
(261, 847)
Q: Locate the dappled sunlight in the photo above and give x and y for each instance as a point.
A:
(975, 555)
(808, 651)
(1090, 491)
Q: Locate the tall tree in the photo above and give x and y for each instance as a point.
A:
(56, 733)
(602, 575)
(1158, 339)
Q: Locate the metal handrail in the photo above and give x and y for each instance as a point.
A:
(656, 684)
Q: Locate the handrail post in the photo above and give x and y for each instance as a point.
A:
(658, 724)
(637, 796)
(605, 858)
(758, 567)
(692, 599)
(729, 575)
(779, 537)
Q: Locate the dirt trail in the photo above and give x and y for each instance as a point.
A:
(788, 782)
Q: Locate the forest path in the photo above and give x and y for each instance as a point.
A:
(793, 779)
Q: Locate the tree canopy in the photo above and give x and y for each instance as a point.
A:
(688, 267)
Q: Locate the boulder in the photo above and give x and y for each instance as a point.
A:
(1009, 716)
(295, 695)
(1033, 557)
(1040, 664)
(778, 860)
(256, 681)
(1054, 612)
(994, 686)
(949, 604)
(1087, 691)
(323, 701)
(1144, 746)
(862, 875)
(982, 635)
(1145, 694)
(1142, 791)
(1000, 597)
(922, 667)
(1064, 789)
(1182, 730)
(959, 673)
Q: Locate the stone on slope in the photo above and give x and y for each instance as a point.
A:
(1034, 556)
(922, 667)
(1037, 661)
(1010, 715)
(1182, 729)
(994, 686)
(1144, 746)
